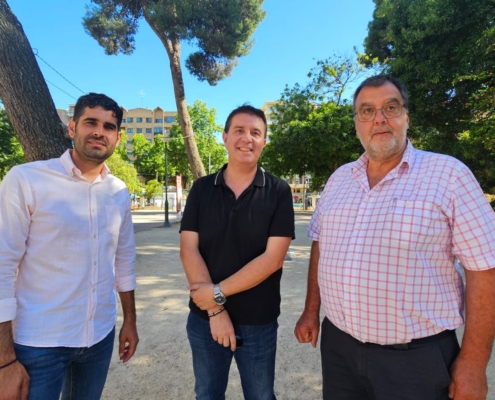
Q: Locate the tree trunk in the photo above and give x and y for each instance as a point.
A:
(25, 94)
(172, 46)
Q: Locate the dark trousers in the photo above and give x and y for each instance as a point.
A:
(353, 370)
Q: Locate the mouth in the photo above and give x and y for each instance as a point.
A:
(244, 149)
(97, 143)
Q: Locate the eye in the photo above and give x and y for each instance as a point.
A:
(391, 108)
(367, 111)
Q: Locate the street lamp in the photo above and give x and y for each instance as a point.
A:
(166, 224)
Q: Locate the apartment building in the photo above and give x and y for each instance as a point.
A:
(147, 122)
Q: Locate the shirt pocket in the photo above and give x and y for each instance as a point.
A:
(412, 223)
(114, 219)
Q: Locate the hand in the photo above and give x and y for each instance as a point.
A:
(222, 330)
(468, 380)
(14, 382)
(307, 328)
(202, 295)
(128, 341)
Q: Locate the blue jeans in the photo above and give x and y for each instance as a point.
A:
(255, 360)
(78, 372)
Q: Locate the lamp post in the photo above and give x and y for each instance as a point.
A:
(166, 224)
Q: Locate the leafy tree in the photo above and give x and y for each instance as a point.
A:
(221, 30)
(313, 128)
(205, 128)
(10, 149)
(149, 158)
(124, 170)
(152, 189)
(443, 52)
(25, 95)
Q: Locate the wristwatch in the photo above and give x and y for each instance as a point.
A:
(218, 296)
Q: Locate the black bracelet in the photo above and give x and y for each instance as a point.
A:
(10, 363)
(216, 312)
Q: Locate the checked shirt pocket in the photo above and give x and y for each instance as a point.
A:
(410, 223)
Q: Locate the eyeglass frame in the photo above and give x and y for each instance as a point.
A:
(381, 109)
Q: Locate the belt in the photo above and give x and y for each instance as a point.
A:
(433, 338)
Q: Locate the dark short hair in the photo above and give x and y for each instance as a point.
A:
(380, 80)
(246, 109)
(93, 100)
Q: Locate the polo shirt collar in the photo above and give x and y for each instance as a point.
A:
(259, 178)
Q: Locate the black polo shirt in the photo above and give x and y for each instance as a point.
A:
(234, 232)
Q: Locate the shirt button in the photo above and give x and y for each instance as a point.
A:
(94, 236)
(94, 263)
(92, 210)
(93, 290)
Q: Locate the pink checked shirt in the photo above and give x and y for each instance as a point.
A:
(386, 270)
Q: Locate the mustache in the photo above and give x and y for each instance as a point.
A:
(381, 129)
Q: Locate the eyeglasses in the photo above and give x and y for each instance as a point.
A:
(367, 114)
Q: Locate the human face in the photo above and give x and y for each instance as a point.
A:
(383, 139)
(95, 135)
(245, 139)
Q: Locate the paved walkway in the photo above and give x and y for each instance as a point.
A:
(161, 368)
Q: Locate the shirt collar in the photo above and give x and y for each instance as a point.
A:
(259, 178)
(405, 163)
(71, 169)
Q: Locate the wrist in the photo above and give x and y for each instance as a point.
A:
(218, 296)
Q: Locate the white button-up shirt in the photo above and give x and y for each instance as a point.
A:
(386, 271)
(66, 244)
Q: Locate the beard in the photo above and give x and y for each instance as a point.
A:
(383, 151)
(90, 153)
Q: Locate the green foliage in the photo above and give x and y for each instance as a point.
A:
(152, 189)
(443, 51)
(313, 128)
(205, 130)
(221, 29)
(149, 158)
(11, 152)
(125, 171)
(121, 150)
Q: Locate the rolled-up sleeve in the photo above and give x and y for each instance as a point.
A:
(125, 256)
(15, 217)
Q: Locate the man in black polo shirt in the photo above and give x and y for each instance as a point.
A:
(235, 232)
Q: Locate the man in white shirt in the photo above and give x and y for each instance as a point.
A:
(66, 245)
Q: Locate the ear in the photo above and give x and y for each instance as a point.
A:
(224, 137)
(72, 128)
(119, 136)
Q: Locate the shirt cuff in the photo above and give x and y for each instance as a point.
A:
(126, 283)
(8, 309)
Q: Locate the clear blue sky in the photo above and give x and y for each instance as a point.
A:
(289, 40)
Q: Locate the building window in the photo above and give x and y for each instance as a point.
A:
(158, 121)
(129, 152)
(130, 119)
(129, 142)
(130, 130)
(139, 130)
(139, 120)
(158, 130)
(149, 120)
(148, 130)
(149, 140)
(169, 120)
(123, 121)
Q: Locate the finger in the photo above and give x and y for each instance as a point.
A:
(233, 342)
(314, 339)
(24, 390)
(451, 390)
(192, 287)
(130, 350)
(122, 346)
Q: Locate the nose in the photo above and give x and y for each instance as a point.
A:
(98, 130)
(380, 116)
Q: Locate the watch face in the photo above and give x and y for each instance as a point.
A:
(219, 298)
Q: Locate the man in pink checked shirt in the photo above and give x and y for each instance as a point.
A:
(66, 247)
(387, 235)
